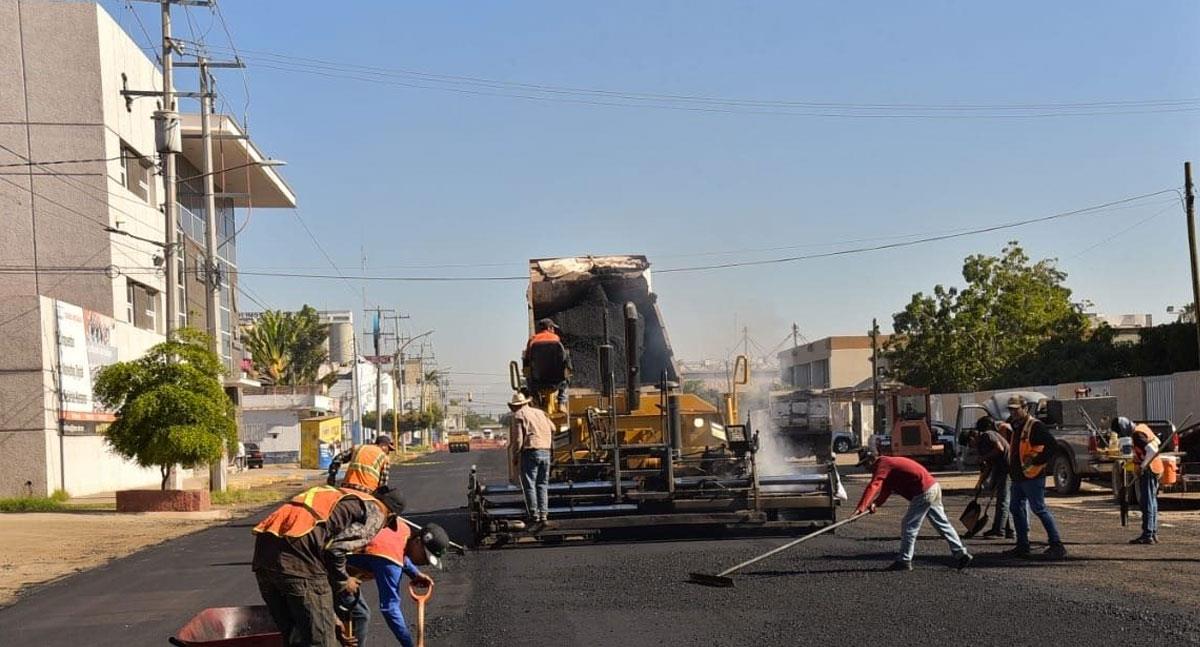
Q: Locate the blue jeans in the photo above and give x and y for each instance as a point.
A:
(535, 481)
(929, 505)
(1148, 498)
(1029, 495)
(999, 484)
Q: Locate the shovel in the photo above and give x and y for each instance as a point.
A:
(970, 515)
(976, 519)
(722, 579)
(420, 599)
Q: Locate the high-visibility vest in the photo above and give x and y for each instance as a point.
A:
(544, 337)
(389, 544)
(307, 510)
(1028, 451)
(367, 463)
(1139, 454)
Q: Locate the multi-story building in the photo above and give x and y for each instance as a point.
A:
(81, 211)
(831, 363)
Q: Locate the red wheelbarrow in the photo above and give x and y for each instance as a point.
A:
(230, 627)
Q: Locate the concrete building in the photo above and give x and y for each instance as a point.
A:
(1128, 327)
(81, 213)
(272, 420)
(829, 363)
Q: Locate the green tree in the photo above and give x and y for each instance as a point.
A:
(170, 405)
(968, 339)
(286, 347)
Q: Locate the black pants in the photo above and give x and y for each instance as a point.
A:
(301, 607)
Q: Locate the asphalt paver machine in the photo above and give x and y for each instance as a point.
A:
(632, 450)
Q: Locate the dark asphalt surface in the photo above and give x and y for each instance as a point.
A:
(625, 593)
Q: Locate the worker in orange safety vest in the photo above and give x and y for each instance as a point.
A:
(1030, 451)
(1149, 467)
(366, 465)
(300, 553)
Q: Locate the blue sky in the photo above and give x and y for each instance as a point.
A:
(419, 177)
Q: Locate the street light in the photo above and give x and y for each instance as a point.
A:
(400, 374)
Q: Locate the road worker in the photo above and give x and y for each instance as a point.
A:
(547, 366)
(1149, 468)
(992, 448)
(391, 555)
(300, 553)
(366, 465)
(910, 480)
(1031, 449)
(530, 439)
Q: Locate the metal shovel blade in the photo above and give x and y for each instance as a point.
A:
(712, 580)
(980, 524)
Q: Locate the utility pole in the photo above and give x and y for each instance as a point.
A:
(1190, 203)
(377, 335)
(878, 410)
(169, 123)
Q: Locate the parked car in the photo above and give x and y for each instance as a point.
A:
(948, 437)
(254, 456)
(844, 441)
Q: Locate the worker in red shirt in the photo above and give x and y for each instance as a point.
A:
(907, 478)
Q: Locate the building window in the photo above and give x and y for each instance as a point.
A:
(137, 174)
(141, 305)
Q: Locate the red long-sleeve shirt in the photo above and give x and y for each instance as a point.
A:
(903, 476)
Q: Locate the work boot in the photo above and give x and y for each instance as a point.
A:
(900, 565)
(993, 534)
(1008, 534)
(1056, 552)
(1144, 539)
(964, 560)
(1019, 551)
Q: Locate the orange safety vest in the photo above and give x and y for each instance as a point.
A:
(367, 463)
(389, 544)
(307, 510)
(544, 337)
(1139, 455)
(1027, 451)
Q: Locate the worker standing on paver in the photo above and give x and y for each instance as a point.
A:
(547, 363)
(300, 553)
(993, 449)
(531, 437)
(910, 480)
(1032, 448)
(1149, 468)
(366, 465)
(390, 556)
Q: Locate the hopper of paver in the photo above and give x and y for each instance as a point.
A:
(632, 449)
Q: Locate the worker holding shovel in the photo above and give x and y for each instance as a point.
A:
(989, 442)
(392, 554)
(910, 480)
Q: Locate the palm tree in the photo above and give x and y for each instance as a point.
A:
(269, 343)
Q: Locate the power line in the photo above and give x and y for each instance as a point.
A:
(539, 91)
(60, 162)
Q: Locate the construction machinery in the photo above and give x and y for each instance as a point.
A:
(458, 441)
(636, 451)
(912, 433)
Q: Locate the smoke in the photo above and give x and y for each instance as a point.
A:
(776, 456)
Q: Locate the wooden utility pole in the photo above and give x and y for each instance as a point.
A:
(1190, 203)
(169, 124)
(878, 410)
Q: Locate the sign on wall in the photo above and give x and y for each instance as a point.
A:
(86, 344)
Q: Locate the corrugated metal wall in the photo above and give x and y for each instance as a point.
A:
(1160, 397)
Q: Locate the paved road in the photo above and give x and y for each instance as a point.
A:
(631, 593)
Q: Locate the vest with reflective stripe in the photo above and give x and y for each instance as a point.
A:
(306, 511)
(1028, 451)
(367, 464)
(1139, 454)
(389, 544)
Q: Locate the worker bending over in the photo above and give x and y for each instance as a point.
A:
(990, 442)
(1149, 468)
(392, 554)
(910, 480)
(300, 553)
(1032, 448)
(547, 365)
(366, 465)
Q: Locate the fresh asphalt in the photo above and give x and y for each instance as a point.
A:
(625, 593)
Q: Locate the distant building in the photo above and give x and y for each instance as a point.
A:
(829, 363)
(272, 420)
(715, 374)
(1128, 327)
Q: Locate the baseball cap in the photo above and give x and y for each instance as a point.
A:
(436, 543)
(384, 439)
(1016, 402)
(865, 456)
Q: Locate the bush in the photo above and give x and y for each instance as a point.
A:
(31, 504)
(61, 495)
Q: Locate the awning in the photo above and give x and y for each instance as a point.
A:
(238, 171)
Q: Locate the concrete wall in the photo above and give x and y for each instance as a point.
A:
(277, 432)
(1187, 396)
(849, 366)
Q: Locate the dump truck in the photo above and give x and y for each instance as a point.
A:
(458, 441)
(632, 450)
(804, 420)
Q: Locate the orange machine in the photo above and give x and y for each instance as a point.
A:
(912, 434)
